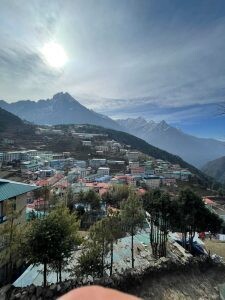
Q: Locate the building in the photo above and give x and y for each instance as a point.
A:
(168, 181)
(29, 166)
(97, 162)
(80, 163)
(15, 192)
(86, 143)
(116, 162)
(137, 170)
(102, 171)
(11, 155)
(7, 141)
(133, 164)
(152, 182)
(103, 148)
(132, 155)
(44, 173)
(16, 195)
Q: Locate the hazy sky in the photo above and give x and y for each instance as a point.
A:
(121, 54)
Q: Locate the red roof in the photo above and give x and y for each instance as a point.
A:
(208, 201)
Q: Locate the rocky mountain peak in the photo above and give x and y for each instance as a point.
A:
(63, 97)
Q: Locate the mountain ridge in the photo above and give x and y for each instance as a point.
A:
(61, 108)
(216, 169)
(192, 149)
(24, 134)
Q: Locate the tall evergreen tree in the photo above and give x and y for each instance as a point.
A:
(114, 231)
(50, 240)
(133, 216)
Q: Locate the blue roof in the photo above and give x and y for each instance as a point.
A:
(10, 189)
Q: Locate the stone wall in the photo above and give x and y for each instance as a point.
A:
(123, 282)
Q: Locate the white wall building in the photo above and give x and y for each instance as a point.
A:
(132, 155)
(152, 182)
(102, 171)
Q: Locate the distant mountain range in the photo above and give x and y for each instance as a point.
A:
(216, 169)
(196, 151)
(61, 109)
(24, 133)
(64, 109)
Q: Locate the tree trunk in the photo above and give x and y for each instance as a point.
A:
(60, 272)
(111, 263)
(103, 252)
(132, 247)
(10, 248)
(45, 274)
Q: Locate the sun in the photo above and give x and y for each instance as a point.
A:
(54, 54)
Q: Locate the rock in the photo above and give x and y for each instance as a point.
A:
(58, 288)
(5, 289)
(49, 294)
(67, 285)
(53, 287)
(38, 291)
(33, 297)
(32, 289)
(18, 295)
(90, 278)
(25, 297)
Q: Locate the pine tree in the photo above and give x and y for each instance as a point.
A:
(132, 215)
(51, 240)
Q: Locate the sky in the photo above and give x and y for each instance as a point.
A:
(160, 59)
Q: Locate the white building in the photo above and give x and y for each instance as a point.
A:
(103, 148)
(86, 143)
(102, 171)
(97, 162)
(133, 164)
(11, 155)
(29, 166)
(132, 155)
(152, 182)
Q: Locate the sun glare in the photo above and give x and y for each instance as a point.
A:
(54, 54)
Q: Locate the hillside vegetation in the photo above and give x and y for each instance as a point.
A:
(8, 120)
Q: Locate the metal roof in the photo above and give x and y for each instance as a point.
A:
(10, 189)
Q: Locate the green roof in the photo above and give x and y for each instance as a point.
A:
(10, 189)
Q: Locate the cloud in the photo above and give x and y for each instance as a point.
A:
(165, 53)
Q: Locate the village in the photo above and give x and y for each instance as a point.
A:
(37, 180)
(60, 171)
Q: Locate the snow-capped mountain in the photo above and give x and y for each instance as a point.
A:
(194, 150)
